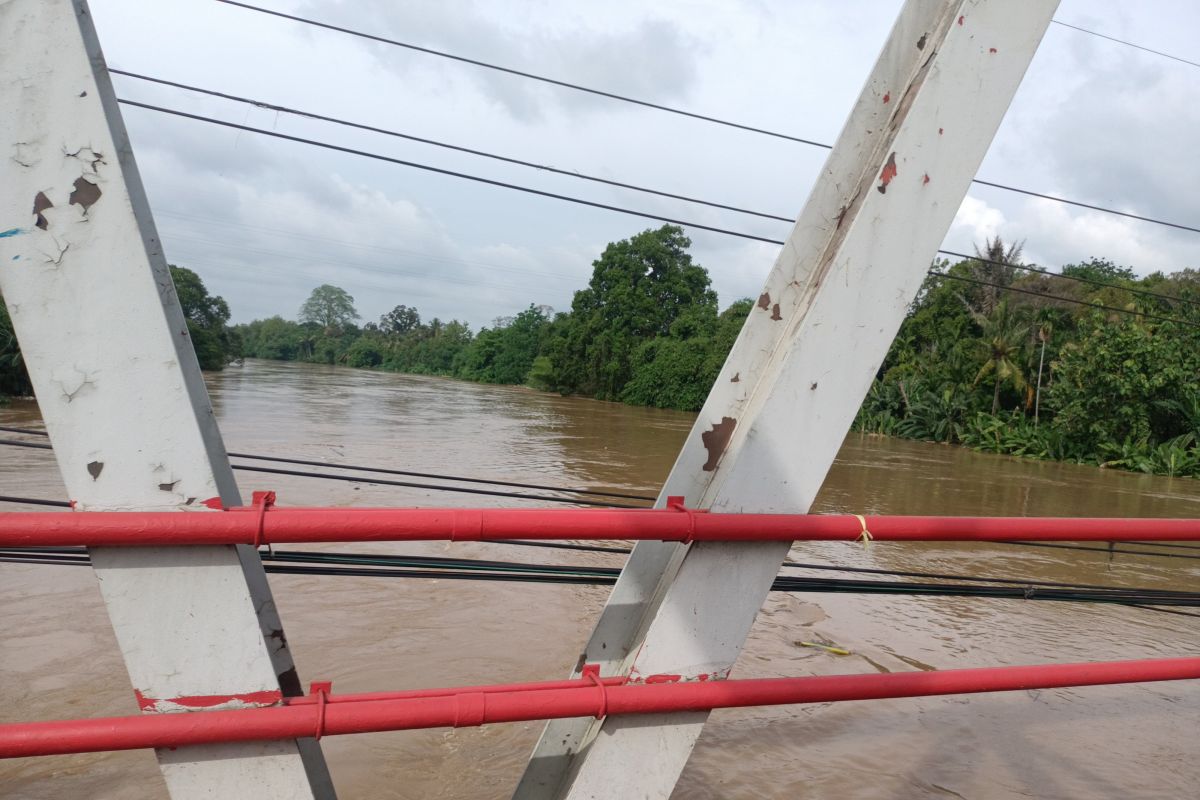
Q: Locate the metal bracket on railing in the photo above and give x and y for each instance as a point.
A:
(591, 672)
(676, 503)
(261, 501)
(319, 689)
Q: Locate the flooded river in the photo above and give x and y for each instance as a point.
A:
(58, 656)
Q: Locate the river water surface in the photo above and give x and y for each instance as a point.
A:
(58, 656)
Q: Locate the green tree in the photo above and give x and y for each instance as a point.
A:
(399, 321)
(14, 380)
(639, 287)
(330, 307)
(995, 266)
(1126, 382)
(207, 316)
(1003, 336)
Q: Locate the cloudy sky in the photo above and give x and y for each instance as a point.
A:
(264, 221)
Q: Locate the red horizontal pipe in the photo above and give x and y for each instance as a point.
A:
(469, 706)
(540, 686)
(297, 525)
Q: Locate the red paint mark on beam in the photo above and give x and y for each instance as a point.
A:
(925, 180)
(653, 679)
(941, 131)
(992, 50)
(960, 20)
(269, 697)
(887, 97)
(888, 174)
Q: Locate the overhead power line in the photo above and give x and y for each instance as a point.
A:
(606, 206)
(669, 109)
(388, 471)
(1126, 43)
(445, 568)
(529, 75)
(1076, 278)
(440, 171)
(1061, 299)
(446, 145)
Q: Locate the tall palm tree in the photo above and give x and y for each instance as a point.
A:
(996, 265)
(1003, 334)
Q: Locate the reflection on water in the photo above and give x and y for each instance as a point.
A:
(59, 657)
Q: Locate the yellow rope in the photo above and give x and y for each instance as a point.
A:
(865, 537)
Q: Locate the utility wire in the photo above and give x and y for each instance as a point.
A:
(581, 201)
(530, 75)
(626, 550)
(469, 569)
(446, 145)
(1127, 44)
(669, 109)
(341, 465)
(345, 243)
(434, 487)
(440, 171)
(1030, 292)
(382, 470)
(34, 501)
(1076, 278)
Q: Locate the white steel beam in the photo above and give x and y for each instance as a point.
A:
(116, 378)
(796, 376)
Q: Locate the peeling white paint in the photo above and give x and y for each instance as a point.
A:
(838, 292)
(122, 395)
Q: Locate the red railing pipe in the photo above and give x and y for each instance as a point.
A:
(469, 706)
(303, 525)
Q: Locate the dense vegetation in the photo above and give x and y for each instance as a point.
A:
(1112, 378)
(1091, 364)
(646, 330)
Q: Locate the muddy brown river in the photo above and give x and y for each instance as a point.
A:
(58, 656)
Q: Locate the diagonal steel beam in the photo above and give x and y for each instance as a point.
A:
(796, 376)
(116, 378)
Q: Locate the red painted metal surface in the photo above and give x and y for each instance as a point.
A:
(471, 706)
(260, 525)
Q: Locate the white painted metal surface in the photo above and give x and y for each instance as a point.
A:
(789, 391)
(92, 302)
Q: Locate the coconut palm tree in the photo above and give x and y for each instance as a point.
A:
(1003, 335)
(996, 265)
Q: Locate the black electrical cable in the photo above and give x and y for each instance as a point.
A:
(626, 99)
(459, 478)
(31, 445)
(606, 206)
(1109, 550)
(26, 431)
(573, 174)
(340, 465)
(458, 489)
(1030, 292)
(530, 75)
(1127, 44)
(446, 145)
(593, 548)
(1076, 278)
(440, 171)
(598, 576)
(34, 501)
